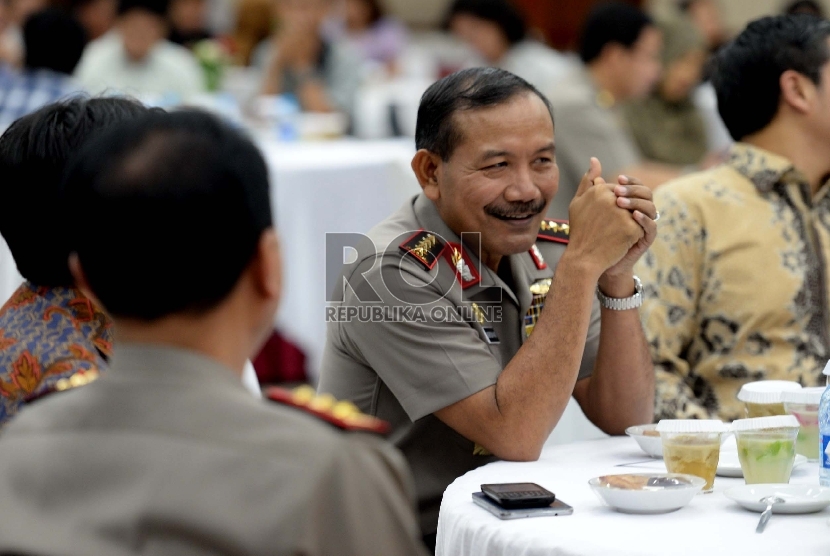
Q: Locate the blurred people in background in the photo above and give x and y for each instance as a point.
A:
(706, 16)
(53, 42)
(620, 49)
(497, 31)
(135, 58)
(96, 16)
(736, 282)
(374, 36)
(809, 7)
(667, 126)
(188, 22)
(12, 17)
(323, 75)
(254, 22)
(49, 330)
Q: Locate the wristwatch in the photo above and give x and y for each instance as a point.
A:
(622, 303)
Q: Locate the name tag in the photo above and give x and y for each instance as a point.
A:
(490, 334)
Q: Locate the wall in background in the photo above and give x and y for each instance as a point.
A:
(561, 20)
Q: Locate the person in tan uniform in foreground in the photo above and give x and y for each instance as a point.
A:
(167, 453)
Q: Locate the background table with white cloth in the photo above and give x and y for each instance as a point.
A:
(710, 525)
(318, 188)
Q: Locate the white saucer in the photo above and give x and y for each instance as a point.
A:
(730, 466)
(800, 499)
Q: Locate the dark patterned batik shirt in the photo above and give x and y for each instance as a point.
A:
(47, 334)
(736, 284)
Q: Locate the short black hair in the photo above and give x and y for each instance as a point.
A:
(810, 7)
(34, 154)
(501, 12)
(467, 89)
(53, 40)
(747, 72)
(180, 202)
(158, 7)
(612, 22)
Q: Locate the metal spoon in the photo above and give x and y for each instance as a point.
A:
(769, 501)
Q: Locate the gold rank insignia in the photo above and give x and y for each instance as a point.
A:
(554, 230)
(537, 257)
(342, 414)
(540, 291)
(465, 271)
(78, 379)
(425, 247)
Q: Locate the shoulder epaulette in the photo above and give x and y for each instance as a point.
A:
(554, 230)
(425, 247)
(342, 414)
(78, 379)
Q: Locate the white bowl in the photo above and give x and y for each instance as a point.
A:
(652, 445)
(661, 493)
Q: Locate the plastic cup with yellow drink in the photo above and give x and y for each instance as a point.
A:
(692, 447)
(803, 405)
(763, 398)
(766, 448)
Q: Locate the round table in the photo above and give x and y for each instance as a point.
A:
(710, 525)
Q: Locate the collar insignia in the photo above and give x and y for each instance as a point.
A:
(537, 257)
(465, 271)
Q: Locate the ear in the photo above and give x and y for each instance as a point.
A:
(267, 268)
(80, 278)
(797, 91)
(427, 168)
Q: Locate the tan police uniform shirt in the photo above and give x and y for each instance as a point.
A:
(168, 454)
(409, 354)
(585, 128)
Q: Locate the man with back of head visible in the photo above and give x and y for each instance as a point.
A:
(49, 330)
(737, 282)
(479, 345)
(620, 50)
(168, 453)
(137, 59)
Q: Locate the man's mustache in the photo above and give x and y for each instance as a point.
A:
(515, 210)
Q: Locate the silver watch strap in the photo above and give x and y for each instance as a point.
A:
(622, 303)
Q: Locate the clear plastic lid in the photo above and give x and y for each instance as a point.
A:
(762, 423)
(806, 396)
(691, 425)
(766, 391)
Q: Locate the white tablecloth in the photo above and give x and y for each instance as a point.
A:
(710, 525)
(320, 188)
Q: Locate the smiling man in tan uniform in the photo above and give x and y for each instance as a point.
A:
(439, 324)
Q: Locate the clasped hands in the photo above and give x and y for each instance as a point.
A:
(612, 226)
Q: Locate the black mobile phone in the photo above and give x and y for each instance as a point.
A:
(558, 507)
(519, 495)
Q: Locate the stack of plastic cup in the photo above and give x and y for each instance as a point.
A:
(763, 398)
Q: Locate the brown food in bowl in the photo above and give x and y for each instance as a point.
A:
(651, 432)
(626, 482)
